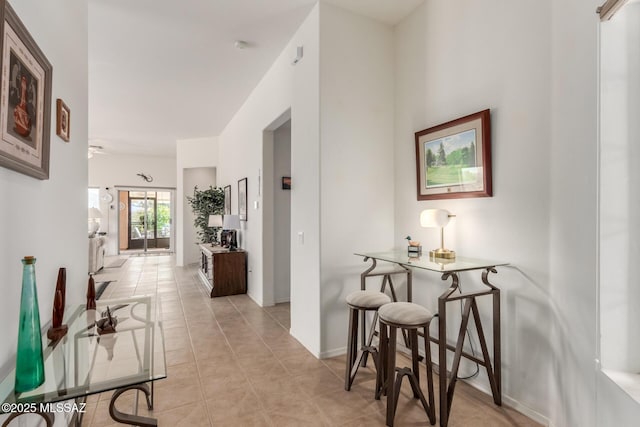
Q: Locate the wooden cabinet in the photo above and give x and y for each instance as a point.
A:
(223, 272)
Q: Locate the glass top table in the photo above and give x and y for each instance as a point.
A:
(425, 262)
(83, 362)
(449, 269)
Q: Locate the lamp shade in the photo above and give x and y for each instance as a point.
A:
(215, 221)
(95, 213)
(231, 222)
(434, 217)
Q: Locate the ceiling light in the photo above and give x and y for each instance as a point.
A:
(240, 44)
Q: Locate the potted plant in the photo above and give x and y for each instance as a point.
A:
(205, 203)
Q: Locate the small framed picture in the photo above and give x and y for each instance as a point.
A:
(242, 199)
(227, 200)
(286, 183)
(63, 120)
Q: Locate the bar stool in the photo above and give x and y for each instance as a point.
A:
(409, 317)
(361, 302)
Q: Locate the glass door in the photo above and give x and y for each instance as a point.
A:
(145, 220)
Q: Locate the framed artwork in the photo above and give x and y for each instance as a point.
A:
(453, 159)
(286, 183)
(242, 199)
(25, 99)
(63, 120)
(227, 200)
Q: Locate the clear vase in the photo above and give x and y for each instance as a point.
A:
(29, 364)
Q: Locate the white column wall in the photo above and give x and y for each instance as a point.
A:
(356, 158)
(619, 230)
(284, 86)
(48, 219)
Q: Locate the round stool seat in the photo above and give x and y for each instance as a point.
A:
(404, 314)
(367, 299)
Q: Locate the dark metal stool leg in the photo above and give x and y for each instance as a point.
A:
(352, 347)
(391, 370)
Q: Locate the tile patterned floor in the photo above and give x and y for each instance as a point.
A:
(233, 363)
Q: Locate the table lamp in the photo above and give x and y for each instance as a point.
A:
(231, 222)
(94, 226)
(215, 221)
(437, 218)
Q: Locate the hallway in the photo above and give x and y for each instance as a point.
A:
(233, 363)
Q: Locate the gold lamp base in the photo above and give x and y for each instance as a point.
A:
(442, 253)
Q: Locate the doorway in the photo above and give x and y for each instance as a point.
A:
(145, 220)
(278, 187)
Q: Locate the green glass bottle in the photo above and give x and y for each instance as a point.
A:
(29, 364)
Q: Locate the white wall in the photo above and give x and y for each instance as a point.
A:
(48, 219)
(111, 170)
(190, 153)
(282, 214)
(241, 143)
(356, 157)
(534, 64)
(203, 178)
(449, 64)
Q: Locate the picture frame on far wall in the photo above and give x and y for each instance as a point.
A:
(242, 199)
(63, 120)
(227, 200)
(25, 94)
(453, 159)
(286, 183)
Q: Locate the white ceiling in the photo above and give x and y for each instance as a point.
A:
(163, 70)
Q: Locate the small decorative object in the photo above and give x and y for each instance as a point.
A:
(215, 222)
(29, 363)
(242, 199)
(57, 329)
(91, 293)
(453, 160)
(414, 248)
(145, 177)
(230, 224)
(286, 183)
(437, 218)
(63, 120)
(25, 99)
(227, 200)
(106, 325)
(94, 215)
(108, 341)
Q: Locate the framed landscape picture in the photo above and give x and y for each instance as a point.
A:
(453, 159)
(25, 94)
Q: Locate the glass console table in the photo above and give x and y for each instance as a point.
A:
(449, 270)
(84, 363)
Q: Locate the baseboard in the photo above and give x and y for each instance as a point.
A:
(333, 353)
(259, 302)
(512, 403)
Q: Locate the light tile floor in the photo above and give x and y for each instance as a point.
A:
(233, 363)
